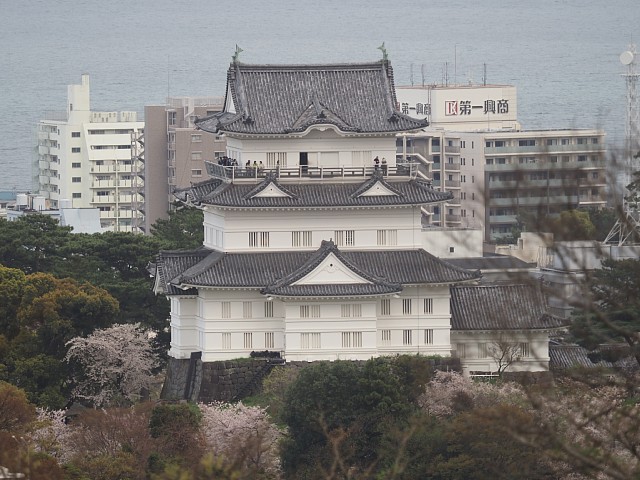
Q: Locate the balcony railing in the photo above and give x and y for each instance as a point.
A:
(251, 173)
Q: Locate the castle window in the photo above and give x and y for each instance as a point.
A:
(428, 336)
(248, 340)
(387, 237)
(269, 340)
(310, 341)
(386, 337)
(407, 337)
(344, 238)
(385, 307)
(301, 238)
(226, 341)
(258, 239)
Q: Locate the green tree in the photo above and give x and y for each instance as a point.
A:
(331, 401)
(611, 314)
(182, 230)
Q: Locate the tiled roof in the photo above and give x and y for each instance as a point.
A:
(285, 285)
(261, 269)
(170, 264)
(491, 262)
(283, 99)
(500, 307)
(562, 357)
(304, 195)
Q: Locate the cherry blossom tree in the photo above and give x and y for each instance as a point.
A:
(112, 365)
(244, 436)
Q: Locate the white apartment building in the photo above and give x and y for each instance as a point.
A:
(475, 149)
(94, 160)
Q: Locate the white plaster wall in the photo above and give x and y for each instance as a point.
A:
(441, 241)
(184, 337)
(323, 224)
(314, 143)
(537, 361)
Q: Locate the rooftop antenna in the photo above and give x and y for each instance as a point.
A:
(455, 64)
(484, 74)
(627, 228)
(422, 72)
(411, 73)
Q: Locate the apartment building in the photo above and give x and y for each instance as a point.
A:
(93, 160)
(175, 151)
(494, 170)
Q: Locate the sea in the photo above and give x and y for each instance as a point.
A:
(562, 55)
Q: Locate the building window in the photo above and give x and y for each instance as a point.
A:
(428, 336)
(582, 158)
(524, 349)
(196, 156)
(76, 179)
(75, 134)
(171, 118)
(269, 340)
(407, 337)
(247, 310)
(310, 341)
(427, 305)
(344, 237)
(258, 239)
(268, 309)
(196, 172)
(75, 150)
(349, 310)
(196, 138)
(309, 311)
(248, 340)
(526, 143)
(276, 159)
(301, 239)
(351, 339)
(226, 309)
(386, 337)
(76, 195)
(385, 307)
(461, 350)
(406, 306)
(482, 350)
(387, 237)
(582, 141)
(226, 341)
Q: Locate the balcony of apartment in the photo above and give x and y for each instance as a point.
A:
(130, 198)
(43, 164)
(110, 168)
(547, 149)
(103, 199)
(454, 202)
(539, 164)
(435, 149)
(43, 136)
(453, 219)
(505, 219)
(452, 184)
(237, 173)
(533, 201)
(43, 150)
(541, 183)
(451, 167)
(591, 201)
(452, 149)
(103, 184)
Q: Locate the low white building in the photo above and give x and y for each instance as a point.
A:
(312, 249)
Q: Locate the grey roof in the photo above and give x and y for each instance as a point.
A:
(207, 268)
(492, 262)
(285, 285)
(305, 195)
(500, 307)
(283, 99)
(562, 357)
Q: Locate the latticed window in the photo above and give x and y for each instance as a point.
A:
(258, 239)
(428, 336)
(344, 238)
(406, 306)
(309, 341)
(248, 340)
(427, 305)
(268, 309)
(387, 237)
(301, 239)
(269, 340)
(407, 337)
(385, 307)
(226, 309)
(226, 341)
(247, 310)
(386, 337)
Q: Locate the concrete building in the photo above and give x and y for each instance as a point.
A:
(90, 158)
(175, 151)
(475, 149)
